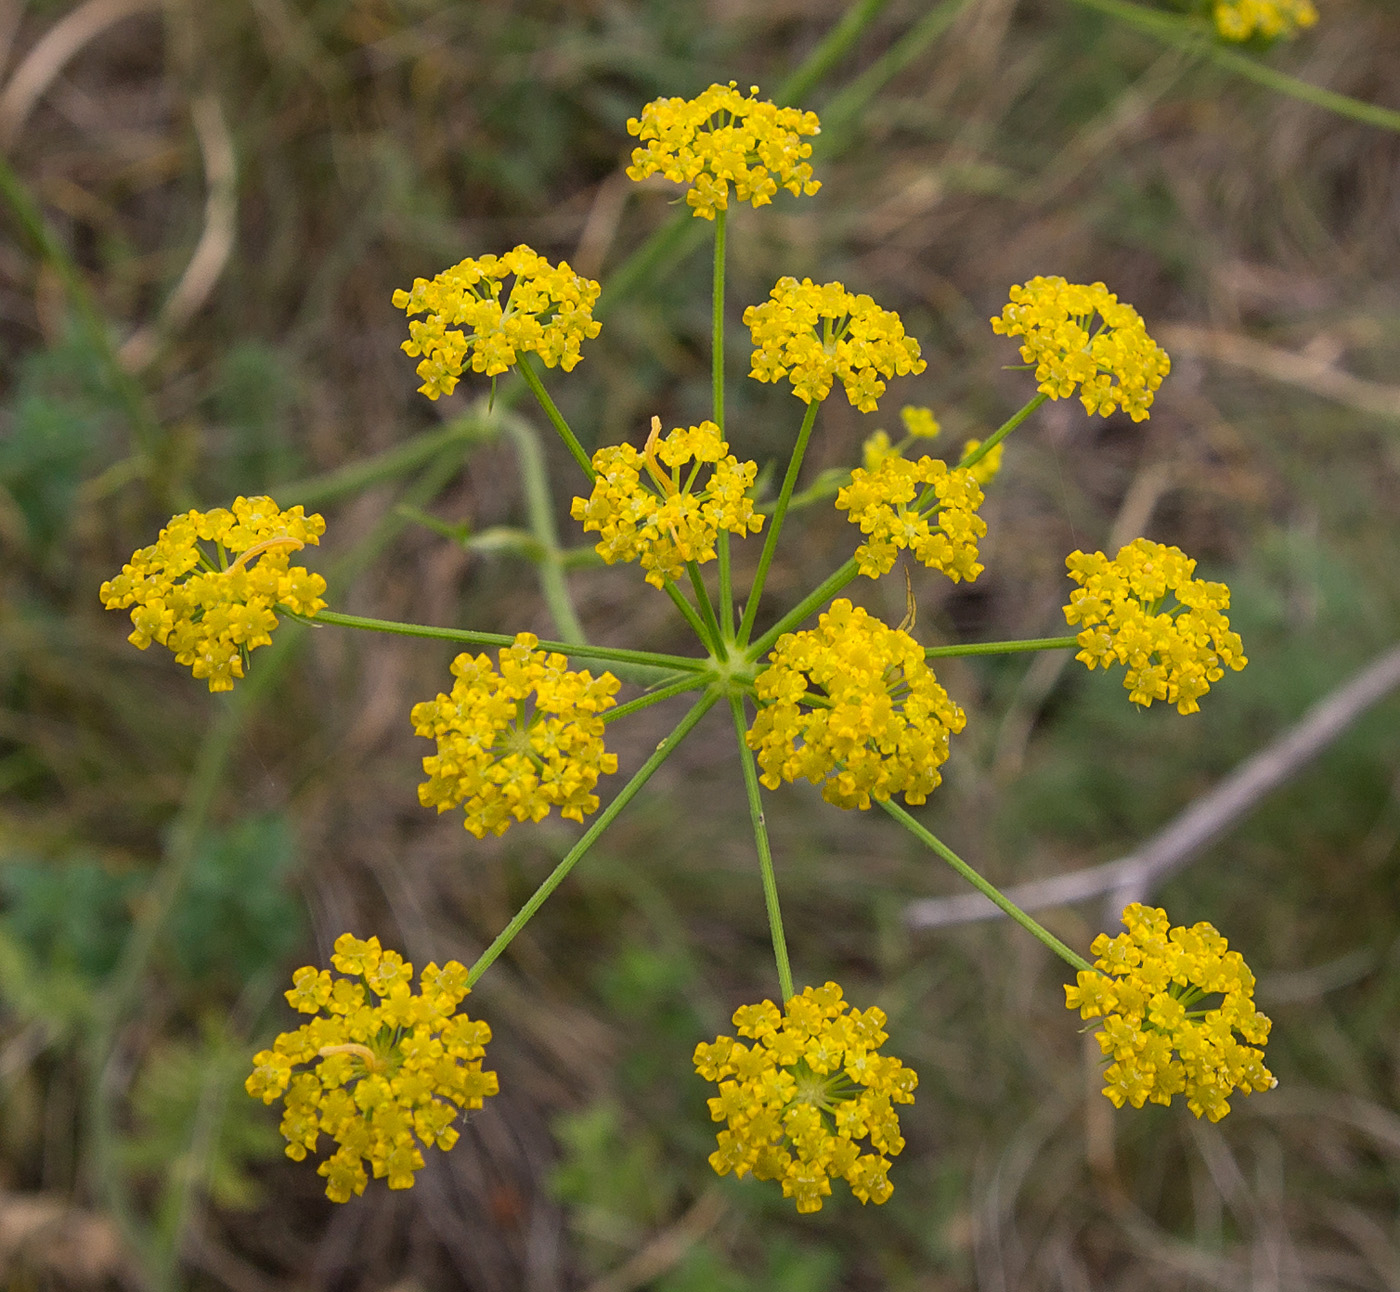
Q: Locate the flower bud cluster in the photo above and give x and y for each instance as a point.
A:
(813, 334)
(548, 311)
(1172, 654)
(797, 1103)
(921, 507)
(211, 610)
(670, 522)
(722, 138)
(1146, 983)
(853, 706)
(389, 1069)
(1114, 363)
(512, 744)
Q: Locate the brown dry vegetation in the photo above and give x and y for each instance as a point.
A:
(231, 193)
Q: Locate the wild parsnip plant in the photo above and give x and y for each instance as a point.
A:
(804, 1093)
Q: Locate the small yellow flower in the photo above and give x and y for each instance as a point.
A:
(388, 1069)
(720, 138)
(548, 311)
(1241, 19)
(921, 507)
(811, 334)
(1056, 318)
(853, 706)
(920, 423)
(212, 609)
(797, 1103)
(514, 744)
(1172, 653)
(666, 526)
(1147, 981)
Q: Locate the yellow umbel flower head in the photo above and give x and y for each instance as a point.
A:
(513, 744)
(811, 334)
(1068, 349)
(666, 526)
(853, 706)
(548, 311)
(1173, 653)
(388, 1072)
(921, 507)
(797, 1102)
(1147, 981)
(1241, 19)
(211, 608)
(920, 423)
(723, 138)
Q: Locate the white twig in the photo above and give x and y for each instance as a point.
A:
(1131, 878)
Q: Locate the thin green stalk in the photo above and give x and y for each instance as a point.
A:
(691, 682)
(1000, 648)
(765, 854)
(557, 876)
(697, 625)
(829, 587)
(476, 424)
(717, 331)
(775, 526)
(1002, 431)
(726, 588)
(1199, 39)
(665, 665)
(985, 887)
(702, 599)
(527, 370)
(539, 511)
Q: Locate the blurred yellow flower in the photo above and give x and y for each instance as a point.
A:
(1144, 987)
(388, 1072)
(671, 522)
(722, 138)
(514, 744)
(548, 311)
(986, 468)
(1056, 318)
(797, 1103)
(853, 706)
(1241, 19)
(211, 610)
(1172, 654)
(811, 334)
(920, 423)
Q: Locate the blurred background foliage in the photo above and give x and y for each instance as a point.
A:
(208, 208)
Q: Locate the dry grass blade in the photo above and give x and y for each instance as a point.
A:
(667, 1249)
(53, 51)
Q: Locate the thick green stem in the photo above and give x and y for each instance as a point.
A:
(1000, 648)
(828, 588)
(765, 853)
(690, 682)
(985, 887)
(557, 876)
(1002, 431)
(775, 526)
(662, 665)
(1197, 38)
(726, 590)
(537, 389)
(539, 510)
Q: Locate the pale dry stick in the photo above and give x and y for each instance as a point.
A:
(1132, 878)
(52, 53)
(1311, 372)
(601, 226)
(211, 252)
(667, 1249)
(10, 11)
